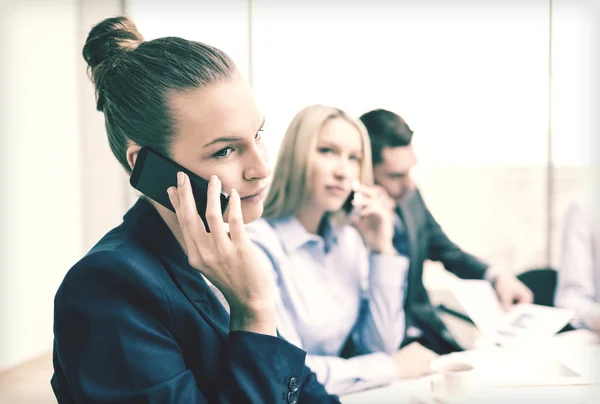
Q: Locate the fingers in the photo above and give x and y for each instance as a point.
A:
(235, 219)
(380, 191)
(530, 297)
(214, 217)
(187, 213)
(367, 191)
(374, 208)
(526, 292)
(506, 299)
(361, 199)
(370, 209)
(514, 291)
(186, 223)
(384, 198)
(526, 296)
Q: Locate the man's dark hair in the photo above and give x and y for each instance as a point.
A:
(386, 129)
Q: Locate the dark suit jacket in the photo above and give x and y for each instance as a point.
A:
(427, 241)
(134, 323)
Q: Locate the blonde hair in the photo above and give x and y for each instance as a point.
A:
(290, 178)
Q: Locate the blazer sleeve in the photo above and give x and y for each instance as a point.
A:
(114, 345)
(455, 260)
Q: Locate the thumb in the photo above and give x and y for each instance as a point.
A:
(527, 297)
(506, 301)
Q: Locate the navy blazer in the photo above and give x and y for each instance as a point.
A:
(427, 241)
(135, 323)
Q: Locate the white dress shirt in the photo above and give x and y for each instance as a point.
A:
(578, 286)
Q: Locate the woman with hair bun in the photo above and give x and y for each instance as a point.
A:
(160, 310)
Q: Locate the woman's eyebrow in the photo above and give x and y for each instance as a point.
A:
(225, 139)
(229, 139)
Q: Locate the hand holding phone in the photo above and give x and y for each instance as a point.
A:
(353, 201)
(373, 219)
(229, 261)
(154, 173)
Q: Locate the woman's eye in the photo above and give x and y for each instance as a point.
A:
(258, 135)
(324, 150)
(224, 152)
(355, 158)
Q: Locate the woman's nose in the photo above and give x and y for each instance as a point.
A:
(257, 167)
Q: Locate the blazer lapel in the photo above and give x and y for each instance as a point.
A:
(196, 290)
(154, 232)
(405, 213)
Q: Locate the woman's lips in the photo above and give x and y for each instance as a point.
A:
(254, 198)
(337, 190)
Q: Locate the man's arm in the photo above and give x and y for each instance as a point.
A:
(455, 260)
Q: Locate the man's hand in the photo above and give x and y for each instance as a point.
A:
(596, 327)
(510, 291)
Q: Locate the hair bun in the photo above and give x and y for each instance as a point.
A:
(108, 40)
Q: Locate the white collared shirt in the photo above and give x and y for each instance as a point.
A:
(578, 286)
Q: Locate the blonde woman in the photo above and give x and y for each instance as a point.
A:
(340, 283)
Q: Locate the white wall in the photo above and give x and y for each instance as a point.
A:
(61, 187)
(221, 23)
(470, 78)
(575, 107)
(41, 233)
(105, 184)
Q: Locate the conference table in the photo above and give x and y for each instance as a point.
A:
(565, 369)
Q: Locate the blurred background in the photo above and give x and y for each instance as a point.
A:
(502, 95)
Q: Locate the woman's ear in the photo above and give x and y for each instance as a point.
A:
(132, 153)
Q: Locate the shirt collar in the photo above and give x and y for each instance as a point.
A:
(294, 236)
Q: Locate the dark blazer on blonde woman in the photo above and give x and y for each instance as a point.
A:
(134, 323)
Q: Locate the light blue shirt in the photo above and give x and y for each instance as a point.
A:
(330, 289)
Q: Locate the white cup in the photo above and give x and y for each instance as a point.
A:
(451, 377)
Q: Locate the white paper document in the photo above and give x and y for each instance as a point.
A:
(522, 323)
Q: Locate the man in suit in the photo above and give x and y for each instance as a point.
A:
(419, 235)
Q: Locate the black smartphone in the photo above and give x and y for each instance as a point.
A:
(347, 207)
(154, 173)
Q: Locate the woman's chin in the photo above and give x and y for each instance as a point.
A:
(249, 214)
(335, 207)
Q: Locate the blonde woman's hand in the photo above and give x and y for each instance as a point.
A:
(413, 360)
(374, 220)
(228, 261)
(386, 200)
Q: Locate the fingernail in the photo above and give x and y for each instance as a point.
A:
(233, 192)
(180, 178)
(172, 191)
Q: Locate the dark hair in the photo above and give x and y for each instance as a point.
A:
(133, 79)
(386, 129)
